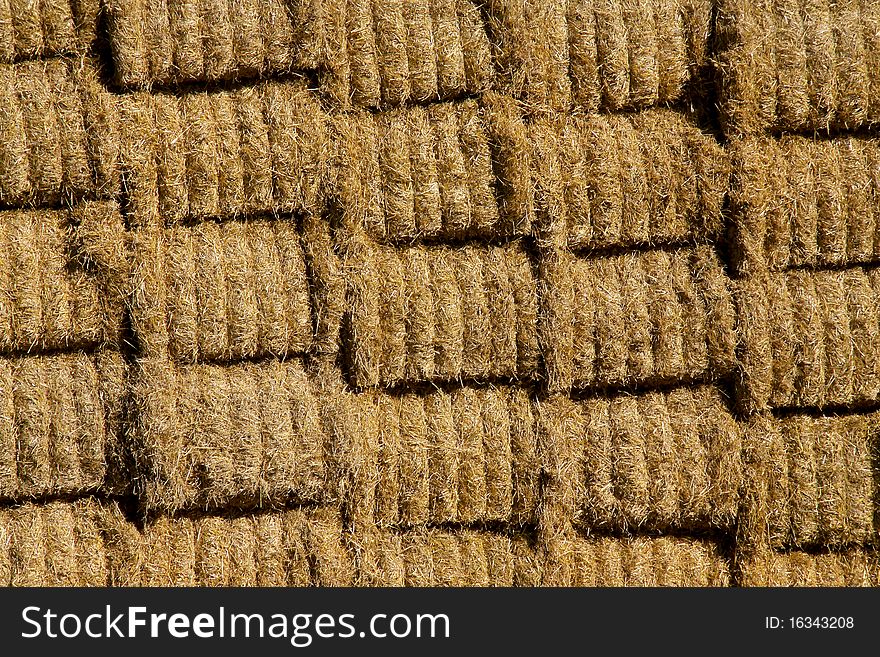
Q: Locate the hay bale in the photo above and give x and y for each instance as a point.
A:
(37, 30)
(392, 53)
(440, 557)
(666, 461)
(52, 300)
(646, 178)
(810, 482)
(60, 423)
(637, 561)
(606, 54)
(168, 42)
(223, 292)
(680, 297)
(808, 340)
(451, 171)
(795, 67)
(852, 567)
(248, 434)
(179, 158)
(77, 543)
(482, 306)
(467, 456)
(297, 547)
(800, 202)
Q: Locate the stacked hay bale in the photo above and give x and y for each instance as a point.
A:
(797, 93)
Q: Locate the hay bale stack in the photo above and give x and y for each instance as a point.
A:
(601, 54)
(47, 155)
(240, 435)
(666, 461)
(222, 291)
(448, 171)
(50, 300)
(575, 559)
(852, 567)
(810, 339)
(297, 547)
(82, 543)
(466, 456)
(809, 481)
(257, 149)
(625, 180)
(641, 318)
(441, 557)
(60, 419)
(434, 313)
(32, 30)
(799, 202)
(392, 52)
(167, 42)
(798, 67)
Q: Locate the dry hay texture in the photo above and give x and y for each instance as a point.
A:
(439, 293)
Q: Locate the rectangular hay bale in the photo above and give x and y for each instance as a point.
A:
(427, 313)
(639, 318)
(852, 567)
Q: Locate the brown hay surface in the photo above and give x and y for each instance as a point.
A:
(809, 339)
(256, 149)
(298, 547)
(623, 180)
(239, 435)
(440, 313)
(60, 418)
(51, 139)
(809, 481)
(467, 456)
(82, 543)
(637, 318)
(448, 171)
(658, 460)
(31, 30)
(222, 291)
(574, 559)
(797, 67)
(800, 202)
(50, 298)
(853, 567)
(604, 54)
(440, 557)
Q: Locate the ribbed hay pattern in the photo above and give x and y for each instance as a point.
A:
(31, 29)
(391, 52)
(574, 559)
(639, 318)
(441, 314)
(599, 54)
(83, 543)
(302, 547)
(804, 203)
(164, 42)
(59, 421)
(810, 481)
(255, 149)
(798, 66)
(467, 456)
(430, 172)
(657, 460)
(440, 557)
(854, 567)
(239, 435)
(50, 120)
(810, 339)
(50, 299)
(623, 180)
(222, 292)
